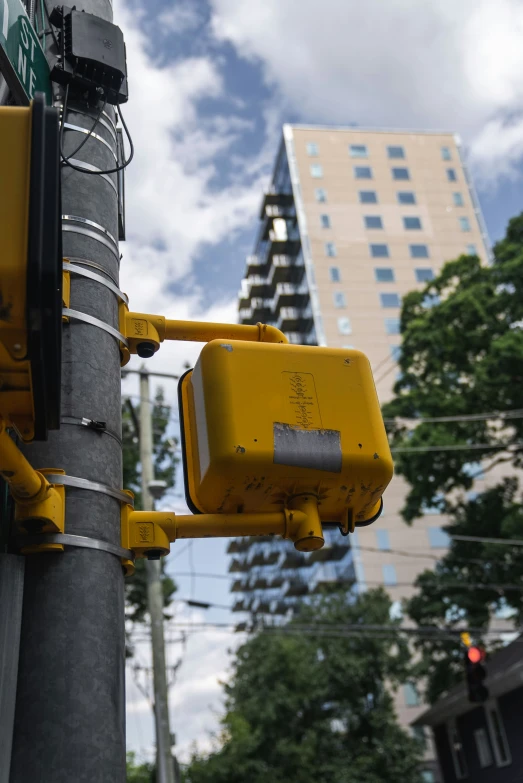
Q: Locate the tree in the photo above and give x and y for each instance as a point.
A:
(164, 468)
(139, 773)
(462, 356)
(308, 702)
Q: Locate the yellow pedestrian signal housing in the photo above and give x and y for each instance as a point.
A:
(263, 424)
(30, 269)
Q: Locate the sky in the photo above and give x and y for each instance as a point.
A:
(211, 82)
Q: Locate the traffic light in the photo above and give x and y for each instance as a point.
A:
(30, 269)
(263, 423)
(476, 674)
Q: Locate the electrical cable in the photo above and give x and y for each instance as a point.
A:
(88, 135)
(456, 447)
(51, 28)
(66, 161)
(511, 414)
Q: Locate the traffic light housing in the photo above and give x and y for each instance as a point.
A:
(263, 423)
(476, 674)
(30, 269)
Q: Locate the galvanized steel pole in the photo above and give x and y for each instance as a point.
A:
(165, 765)
(70, 704)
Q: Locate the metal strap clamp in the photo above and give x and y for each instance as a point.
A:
(90, 319)
(80, 541)
(88, 132)
(78, 270)
(93, 486)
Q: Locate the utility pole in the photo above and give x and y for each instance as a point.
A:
(164, 759)
(70, 703)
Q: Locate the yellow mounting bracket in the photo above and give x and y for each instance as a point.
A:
(39, 504)
(150, 533)
(144, 332)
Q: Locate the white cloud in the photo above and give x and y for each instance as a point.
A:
(399, 63)
(173, 206)
(181, 18)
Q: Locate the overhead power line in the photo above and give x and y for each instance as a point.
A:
(512, 414)
(457, 447)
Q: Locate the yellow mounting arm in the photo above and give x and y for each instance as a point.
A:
(149, 533)
(39, 505)
(144, 332)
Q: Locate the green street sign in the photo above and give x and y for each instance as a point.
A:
(22, 59)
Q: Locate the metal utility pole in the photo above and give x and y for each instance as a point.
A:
(70, 704)
(165, 767)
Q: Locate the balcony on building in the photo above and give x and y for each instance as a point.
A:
(295, 586)
(273, 198)
(302, 338)
(290, 295)
(239, 586)
(238, 565)
(237, 545)
(295, 319)
(336, 547)
(256, 285)
(290, 558)
(239, 606)
(331, 575)
(286, 269)
(262, 556)
(260, 604)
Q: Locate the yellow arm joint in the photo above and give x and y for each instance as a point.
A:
(150, 533)
(144, 332)
(39, 505)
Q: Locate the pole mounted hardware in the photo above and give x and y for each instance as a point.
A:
(31, 279)
(149, 533)
(39, 504)
(144, 333)
(92, 55)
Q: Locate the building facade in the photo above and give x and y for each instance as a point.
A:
(353, 220)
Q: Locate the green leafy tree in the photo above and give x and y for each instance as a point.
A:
(462, 354)
(308, 702)
(139, 773)
(164, 468)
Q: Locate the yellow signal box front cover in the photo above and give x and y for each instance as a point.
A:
(264, 422)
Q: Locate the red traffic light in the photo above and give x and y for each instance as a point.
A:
(475, 655)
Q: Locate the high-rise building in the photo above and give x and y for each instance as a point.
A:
(353, 220)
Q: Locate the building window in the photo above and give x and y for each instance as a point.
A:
(456, 749)
(464, 223)
(389, 575)
(339, 299)
(395, 352)
(419, 251)
(390, 300)
(384, 274)
(321, 195)
(438, 539)
(458, 200)
(392, 326)
(424, 274)
(406, 197)
(427, 776)
(316, 170)
(368, 197)
(472, 250)
(412, 698)
(344, 326)
(483, 748)
(418, 732)
(434, 507)
(363, 172)
(358, 151)
(325, 221)
(400, 173)
(382, 538)
(411, 223)
(498, 737)
(445, 154)
(379, 251)
(334, 274)
(330, 249)
(451, 175)
(312, 149)
(373, 221)
(395, 152)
